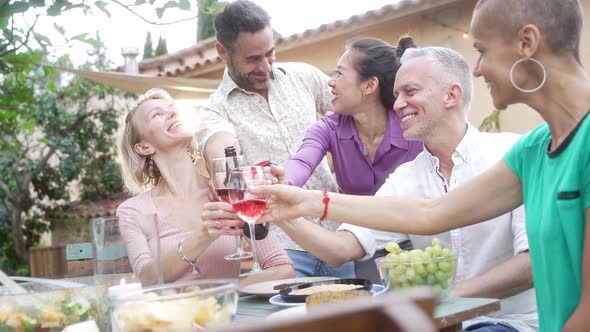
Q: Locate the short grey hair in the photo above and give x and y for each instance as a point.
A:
(560, 21)
(452, 65)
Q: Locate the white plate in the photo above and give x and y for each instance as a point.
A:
(267, 288)
(278, 299)
(297, 311)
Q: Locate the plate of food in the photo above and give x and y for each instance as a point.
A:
(298, 293)
(299, 308)
(270, 288)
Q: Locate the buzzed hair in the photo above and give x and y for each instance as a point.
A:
(560, 21)
(239, 16)
(452, 65)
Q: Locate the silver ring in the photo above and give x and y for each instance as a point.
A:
(218, 223)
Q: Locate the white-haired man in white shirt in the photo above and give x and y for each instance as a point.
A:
(434, 89)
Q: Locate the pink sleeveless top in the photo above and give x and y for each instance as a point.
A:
(141, 246)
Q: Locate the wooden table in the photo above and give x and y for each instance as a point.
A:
(448, 315)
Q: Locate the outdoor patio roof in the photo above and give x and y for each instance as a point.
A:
(178, 87)
(206, 59)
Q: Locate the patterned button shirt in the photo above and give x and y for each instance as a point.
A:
(272, 130)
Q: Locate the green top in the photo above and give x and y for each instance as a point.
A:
(556, 189)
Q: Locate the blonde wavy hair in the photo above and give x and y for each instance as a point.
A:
(135, 167)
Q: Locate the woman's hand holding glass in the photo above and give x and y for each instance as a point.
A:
(249, 207)
(219, 218)
(289, 202)
(219, 183)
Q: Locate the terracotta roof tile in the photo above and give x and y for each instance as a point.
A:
(174, 64)
(93, 209)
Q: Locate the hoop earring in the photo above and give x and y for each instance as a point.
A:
(151, 168)
(527, 90)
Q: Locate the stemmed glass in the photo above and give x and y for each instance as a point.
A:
(248, 206)
(219, 178)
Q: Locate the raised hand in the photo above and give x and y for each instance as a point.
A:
(279, 175)
(288, 202)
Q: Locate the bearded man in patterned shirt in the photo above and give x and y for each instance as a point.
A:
(265, 108)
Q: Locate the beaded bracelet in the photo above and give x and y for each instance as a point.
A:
(194, 268)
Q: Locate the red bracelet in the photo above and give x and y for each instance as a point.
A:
(326, 201)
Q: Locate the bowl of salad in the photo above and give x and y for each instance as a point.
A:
(183, 306)
(54, 310)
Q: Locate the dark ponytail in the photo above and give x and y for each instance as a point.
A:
(403, 44)
(377, 58)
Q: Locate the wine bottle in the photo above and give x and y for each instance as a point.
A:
(231, 162)
(260, 230)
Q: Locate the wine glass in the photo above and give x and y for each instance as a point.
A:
(248, 206)
(219, 178)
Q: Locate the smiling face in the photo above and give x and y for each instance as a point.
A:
(160, 126)
(496, 56)
(346, 86)
(250, 60)
(419, 98)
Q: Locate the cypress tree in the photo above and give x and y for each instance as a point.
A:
(161, 48)
(148, 48)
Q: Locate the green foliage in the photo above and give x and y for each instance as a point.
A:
(212, 7)
(51, 137)
(491, 123)
(161, 48)
(205, 21)
(52, 134)
(8, 261)
(180, 4)
(148, 48)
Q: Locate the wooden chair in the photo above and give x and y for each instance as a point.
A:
(402, 311)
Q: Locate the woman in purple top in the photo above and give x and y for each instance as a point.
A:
(363, 134)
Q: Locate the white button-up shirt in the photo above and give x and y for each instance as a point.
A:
(274, 129)
(479, 247)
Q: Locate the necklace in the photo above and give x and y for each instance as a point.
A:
(365, 151)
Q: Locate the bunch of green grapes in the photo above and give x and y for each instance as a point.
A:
(434, 266)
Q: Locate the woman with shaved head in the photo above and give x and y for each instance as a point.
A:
(529, 53)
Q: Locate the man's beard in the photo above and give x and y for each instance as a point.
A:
(244, 82)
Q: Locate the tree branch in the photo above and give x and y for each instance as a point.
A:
(9, 40)
(7, 131)
(23, 43)
(16, 164)
(128, 8)
(43, 161)
(6, 207)
(9, 195)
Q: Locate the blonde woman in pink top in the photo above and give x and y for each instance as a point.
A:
(158, 157)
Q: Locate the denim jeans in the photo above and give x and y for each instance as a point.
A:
(490, 327)
(307, 265)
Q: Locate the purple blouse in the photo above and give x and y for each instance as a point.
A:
(355, 173)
